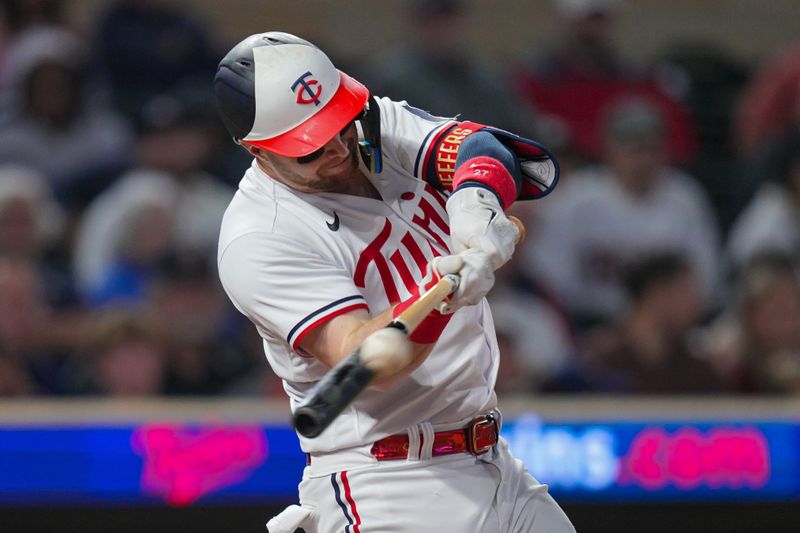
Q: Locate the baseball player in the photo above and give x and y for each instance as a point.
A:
(351, 205)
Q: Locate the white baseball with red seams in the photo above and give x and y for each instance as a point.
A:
(291, 261)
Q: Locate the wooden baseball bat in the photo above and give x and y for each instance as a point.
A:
(345, 381)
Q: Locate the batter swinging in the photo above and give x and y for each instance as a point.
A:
(351, 204)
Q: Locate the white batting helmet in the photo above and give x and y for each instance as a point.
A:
(281, 93)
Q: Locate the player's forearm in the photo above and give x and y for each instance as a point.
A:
(335, 340)
(420, 352)
(357, 337)
(450, 282)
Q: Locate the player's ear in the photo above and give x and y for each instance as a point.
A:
(254, 150)
(263, 156)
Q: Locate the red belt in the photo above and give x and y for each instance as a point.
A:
(477, 438)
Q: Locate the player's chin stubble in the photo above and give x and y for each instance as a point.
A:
(339, 181)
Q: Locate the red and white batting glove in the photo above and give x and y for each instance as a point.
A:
(477, 220)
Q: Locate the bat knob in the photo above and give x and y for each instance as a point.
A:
(307, 422)
(520, 228)
(335, 391)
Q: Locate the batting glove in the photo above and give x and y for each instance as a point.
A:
(476, 278)
(476, 274)
(477, 221)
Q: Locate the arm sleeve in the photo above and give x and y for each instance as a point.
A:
(285, 289)
(483, 143)
(501, 168)
(428, 147)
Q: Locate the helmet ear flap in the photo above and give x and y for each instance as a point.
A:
(234, 82)
(234, 88)
(235, 99)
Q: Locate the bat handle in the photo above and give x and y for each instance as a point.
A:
(415, 314)
(411, 317)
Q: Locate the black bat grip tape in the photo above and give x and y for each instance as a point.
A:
(332, 395)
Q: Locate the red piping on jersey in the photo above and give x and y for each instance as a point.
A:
(352, 502)
(302, 334)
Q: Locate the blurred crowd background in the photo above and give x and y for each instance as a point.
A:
(665, 262)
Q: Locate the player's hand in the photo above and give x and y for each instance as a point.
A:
(477, 221)
(475, 271)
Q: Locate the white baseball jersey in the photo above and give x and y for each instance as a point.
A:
(290, 261)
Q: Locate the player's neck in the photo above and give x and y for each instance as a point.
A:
(362, 186)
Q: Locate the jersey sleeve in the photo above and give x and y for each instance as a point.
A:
(408, 134)
(427, 147)
(285, 289)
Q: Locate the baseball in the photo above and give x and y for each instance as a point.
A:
(386, 351)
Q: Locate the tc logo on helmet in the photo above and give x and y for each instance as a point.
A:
(306, 91)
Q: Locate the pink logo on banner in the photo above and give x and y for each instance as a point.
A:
(182, 464)
(725, 457)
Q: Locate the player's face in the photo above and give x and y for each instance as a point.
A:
(333, 168)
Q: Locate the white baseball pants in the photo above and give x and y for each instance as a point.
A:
(492, 493)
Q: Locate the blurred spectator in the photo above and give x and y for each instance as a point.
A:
(20, 318)
(757, 340)
(260, 381)
(56, 126)
(128, 358)
(768, 111)
(583, 74)
(438, 71)
(31, 224)
(133, 235)
(165, 203)
(30, 342)
(603, 218)
(29, 217)
(649, 350)
(771, 103)
(147, 47)
(535, 343)
(203, 332)
(19, 15)
(771, 222)
(709, 79)
(14, 379)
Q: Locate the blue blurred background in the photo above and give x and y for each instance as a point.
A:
(649, 325)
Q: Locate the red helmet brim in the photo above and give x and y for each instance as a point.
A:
(346, 104)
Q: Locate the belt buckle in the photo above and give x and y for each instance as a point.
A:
(479, 422)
